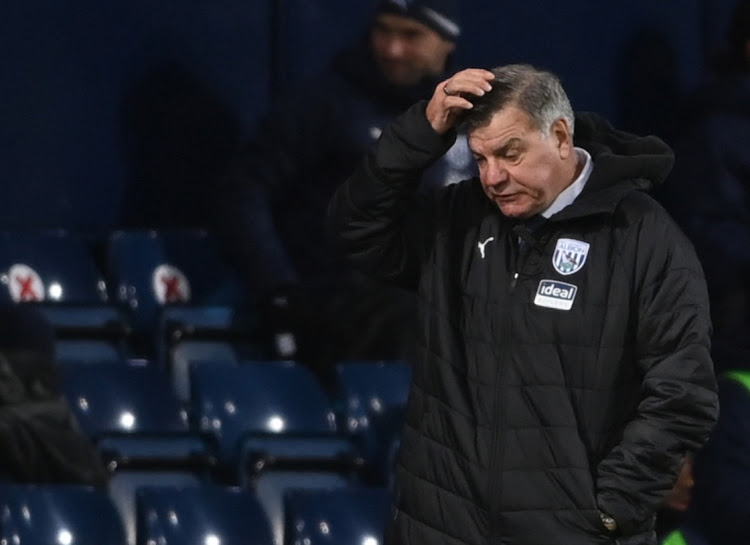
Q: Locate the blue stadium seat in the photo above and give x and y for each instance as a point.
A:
(58, 514)
(189, 353)
(200, 516)
(121, 400)
(344, 516)
(275, 428)
(371, 402)
(55, 271)
(177, 285)
(366, 388)
(263, 401)
(140, 428)
(73, 352)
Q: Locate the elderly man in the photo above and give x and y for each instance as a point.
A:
(564, 373)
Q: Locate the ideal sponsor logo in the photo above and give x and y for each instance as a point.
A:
(555, 294)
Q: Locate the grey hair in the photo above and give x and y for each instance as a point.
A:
(537, 92)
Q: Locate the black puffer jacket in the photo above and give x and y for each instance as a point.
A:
(550, 385)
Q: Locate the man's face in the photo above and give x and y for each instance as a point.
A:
(522, 170)
(406, 51)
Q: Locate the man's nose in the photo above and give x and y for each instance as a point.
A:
(395, 47)
(496, 174)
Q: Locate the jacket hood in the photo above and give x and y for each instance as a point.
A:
(357, 66)
(623, 163)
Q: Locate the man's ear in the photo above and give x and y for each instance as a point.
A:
(560, 131)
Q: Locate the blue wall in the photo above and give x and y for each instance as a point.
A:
(114, 110)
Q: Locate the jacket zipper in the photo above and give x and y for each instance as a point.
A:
(498, 408)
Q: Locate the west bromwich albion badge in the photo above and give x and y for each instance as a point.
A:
(570, 255)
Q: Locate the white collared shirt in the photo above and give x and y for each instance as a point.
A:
(570, 193)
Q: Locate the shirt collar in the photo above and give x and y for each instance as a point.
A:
(570, 193)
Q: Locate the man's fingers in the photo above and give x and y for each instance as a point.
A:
(476, 82)
(450, 97)
(456, 101)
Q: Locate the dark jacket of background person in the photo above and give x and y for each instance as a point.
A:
(40, 441)
(273, 215)
(709, 195)
(524, 421)
(277, 197)
(709, 190)
(720, 505)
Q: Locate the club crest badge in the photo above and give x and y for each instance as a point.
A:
(570, 255)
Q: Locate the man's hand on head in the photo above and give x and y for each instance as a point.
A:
(450, 98)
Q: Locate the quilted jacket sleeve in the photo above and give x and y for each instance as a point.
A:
(375, 216)
(679, 403)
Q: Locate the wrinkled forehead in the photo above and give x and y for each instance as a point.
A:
(508, 124)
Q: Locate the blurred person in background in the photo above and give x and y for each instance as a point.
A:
(717, 511)
(40, 441)
(709, 190)
(272, 208)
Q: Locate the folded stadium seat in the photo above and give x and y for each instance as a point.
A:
(188, 353)
(345, 516)
(178, 286)
(275, 428)
(72, 352)
(55, 271)
(137, 423)
(204, 515)
(58, 514)
(371, 400)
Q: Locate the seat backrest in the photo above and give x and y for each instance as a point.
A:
(273, 398)
(124, 486)
(51, 267)
(150, 270)
(367, 388)
(175, 282)
(277, 398)
(61, 514)
(336, 517)
(122, 399)
(273, 486)
(74, 352)
(199, 516)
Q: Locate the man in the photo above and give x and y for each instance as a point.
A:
(273, 210)
(708, 190)
(564, 372)
(719, 509)
(41, 441)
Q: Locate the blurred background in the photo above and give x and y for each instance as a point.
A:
(104, 101)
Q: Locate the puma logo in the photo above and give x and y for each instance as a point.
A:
(481, 245)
